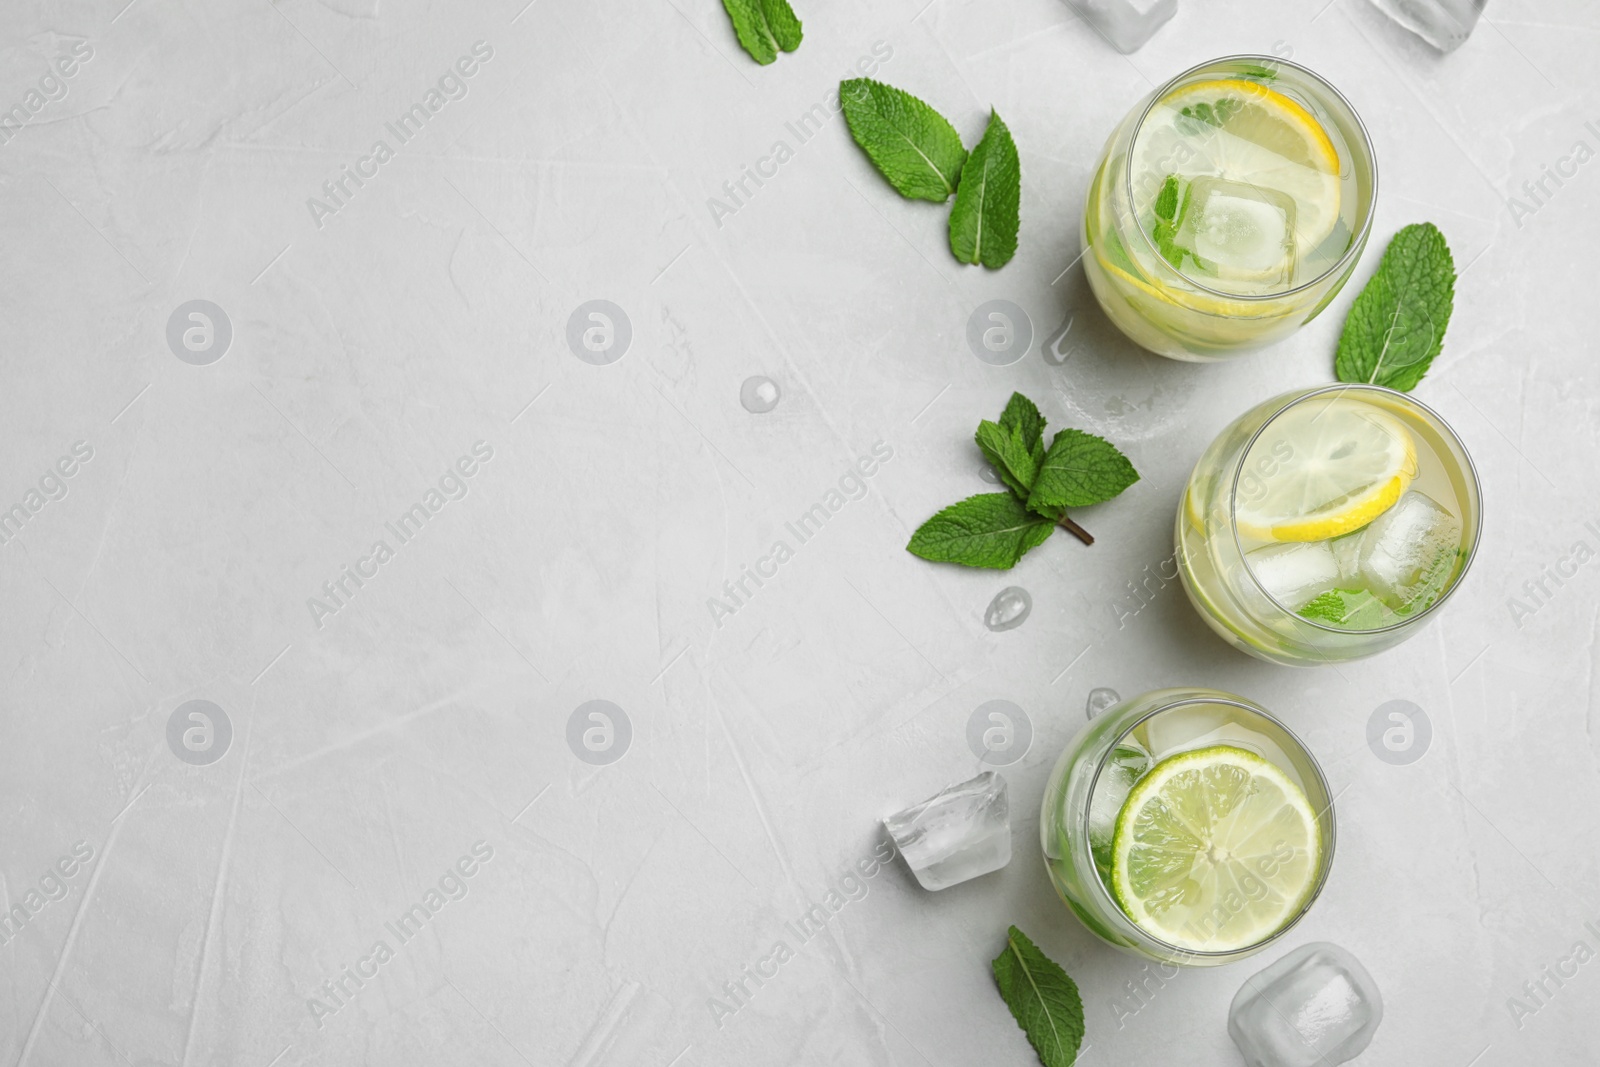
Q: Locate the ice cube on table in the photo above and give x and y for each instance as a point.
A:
(960, 832)
(1409, 552)
(1239, 231)
(1127, 24)
(1445, 24)
(1316, 1006)
(1294, 573)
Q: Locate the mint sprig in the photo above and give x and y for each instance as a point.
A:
(1043, 999)
(985, 217)
(995, 530)
(1396, 325)
(763, 27)
(910, 143)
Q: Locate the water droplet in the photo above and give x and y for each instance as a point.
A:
(989, 474)
(759, 394)
(1100, 700)
(1056, 350)
(1009, 609)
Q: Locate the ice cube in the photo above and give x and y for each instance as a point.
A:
(1238, 231)
(960, 832)
(1409, 552)
(1445, 24)
(1296, 572)
(1127, 763)
(1127, 24)
(1316, 1006)
(1346, 553)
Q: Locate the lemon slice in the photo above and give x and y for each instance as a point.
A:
(1215, 850)
(1245, 132)
(1321, 469)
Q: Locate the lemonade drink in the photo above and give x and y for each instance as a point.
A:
(1228, 208)
(1189, 826)
(1326, 524)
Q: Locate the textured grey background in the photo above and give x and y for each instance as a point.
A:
(374, 745)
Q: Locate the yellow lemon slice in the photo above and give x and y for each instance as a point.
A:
(1323, 468)
(1245, 132)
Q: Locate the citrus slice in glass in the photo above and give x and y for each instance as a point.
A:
(1215, 850)
(1321, 469)
(1244, 132)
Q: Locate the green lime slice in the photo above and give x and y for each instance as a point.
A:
(1215, 850)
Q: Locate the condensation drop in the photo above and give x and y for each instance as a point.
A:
(1100, 700)
(759, 394)
(1009, 609)
(989, 474)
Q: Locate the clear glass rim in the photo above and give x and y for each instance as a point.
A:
(1198, 696)
(1468, 469)
(1358, 239)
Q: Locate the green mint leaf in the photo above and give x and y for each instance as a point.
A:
(1080, 469)
(909, 142)
(1042, 998)
(984, 218)
(1349, 609)
(763, 27)
(1167, 200)
(1023, 414)
(989, 530)
(1010, 456)
(1396, 325)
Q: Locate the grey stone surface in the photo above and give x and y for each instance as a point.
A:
(461, 469)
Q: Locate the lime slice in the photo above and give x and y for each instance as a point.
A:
(1215, 850)
(1321, 469)
(1244, 132)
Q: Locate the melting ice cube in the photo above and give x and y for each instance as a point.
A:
(1409, 552)
(1127, 24)
(1101, 700)
(1296, 572)
(1242, 232)
(1445, 24)
(958, 833)
(1316, 1006)
(1127, 764)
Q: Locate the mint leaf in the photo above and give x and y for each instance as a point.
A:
(763, 27)
(1023, 414)
(985, 216)
(1009, 455)
(1042, 998)
(1080, 469)
(1396, 325)
(1349, 609)
(909, 142)
(989, 530)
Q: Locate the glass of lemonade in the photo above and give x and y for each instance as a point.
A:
(1327, 524)
(1229, 208)
(1187, 826)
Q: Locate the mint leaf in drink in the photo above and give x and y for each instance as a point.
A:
(1079, 469)
(1396, 325)
(1023, 414)
(763, 27)
(985, 216)
(1009, 454)
(910, 143)
(1168, 216)
(1349, 609)
(990, 530)
(1042, 998)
